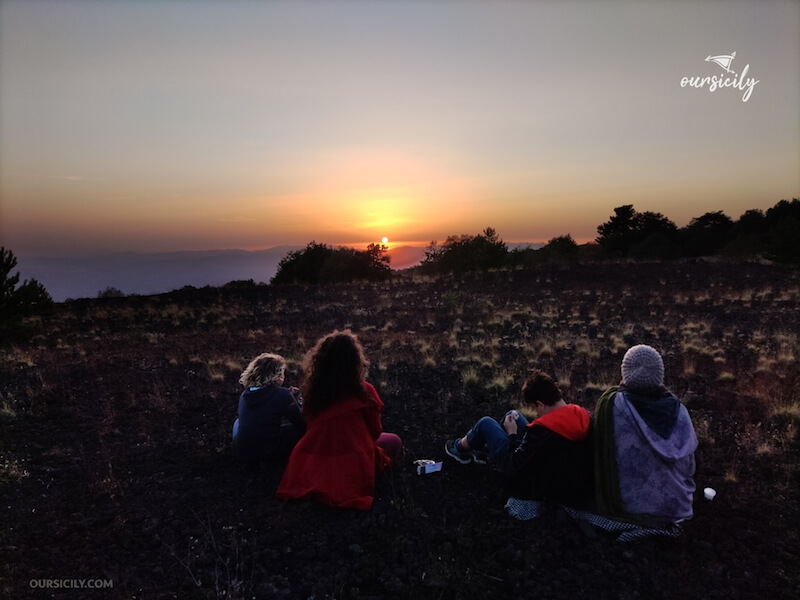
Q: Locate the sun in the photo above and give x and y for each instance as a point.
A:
(384, 240)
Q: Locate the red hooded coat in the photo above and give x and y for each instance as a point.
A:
(337, 459)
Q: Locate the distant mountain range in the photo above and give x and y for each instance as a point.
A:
(146, 274)
(133, 273)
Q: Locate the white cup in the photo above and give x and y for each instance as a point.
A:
(709, 493)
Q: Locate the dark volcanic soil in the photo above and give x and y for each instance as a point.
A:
(115, 464)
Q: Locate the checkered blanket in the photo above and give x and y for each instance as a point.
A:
(525, 510)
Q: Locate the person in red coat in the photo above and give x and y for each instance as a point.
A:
(344, 448)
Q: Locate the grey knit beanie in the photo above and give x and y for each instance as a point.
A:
(642, 367)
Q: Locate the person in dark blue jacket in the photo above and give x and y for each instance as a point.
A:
(270, 421)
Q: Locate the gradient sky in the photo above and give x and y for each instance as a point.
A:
(174, 125)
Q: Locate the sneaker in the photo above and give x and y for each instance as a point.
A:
(451, 447)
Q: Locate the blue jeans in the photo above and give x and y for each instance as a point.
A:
(490, 434)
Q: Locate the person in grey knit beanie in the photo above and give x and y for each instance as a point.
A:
(642, 367)
(644, 446)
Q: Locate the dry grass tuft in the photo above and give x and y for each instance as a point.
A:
(470, 376)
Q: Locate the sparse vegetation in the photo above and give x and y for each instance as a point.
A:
(132, 402)
(110, 292)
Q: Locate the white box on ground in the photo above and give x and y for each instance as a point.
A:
(425, 466)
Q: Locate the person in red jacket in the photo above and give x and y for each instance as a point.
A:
(548, 459)
(344, 448)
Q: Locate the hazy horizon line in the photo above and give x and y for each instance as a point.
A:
(356, 245)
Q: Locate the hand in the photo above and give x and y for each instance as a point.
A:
(294, 391)
(510, 422)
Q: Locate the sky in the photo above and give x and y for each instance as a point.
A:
(166, 126)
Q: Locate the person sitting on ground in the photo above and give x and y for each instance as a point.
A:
(548, 459)
(344, 448)
(644, 446)
(269, 422)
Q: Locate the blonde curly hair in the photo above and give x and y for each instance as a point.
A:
(265, 369)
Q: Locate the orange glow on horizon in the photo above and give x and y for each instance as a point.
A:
(355, 199)
(366, 193)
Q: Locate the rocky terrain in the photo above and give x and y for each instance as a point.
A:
(116, 472)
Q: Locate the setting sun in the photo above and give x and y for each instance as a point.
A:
(384, 240)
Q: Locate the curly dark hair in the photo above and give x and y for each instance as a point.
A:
(540, 388)
(335, 368)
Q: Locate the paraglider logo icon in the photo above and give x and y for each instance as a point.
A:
(723, 60)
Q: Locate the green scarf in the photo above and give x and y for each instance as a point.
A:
(607, 496)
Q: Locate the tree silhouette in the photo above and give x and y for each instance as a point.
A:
(707, 234)
(561, 249)
(320, 263)
(466, 253)
(781, 239)
(655, 237)
(617, 235)
(17, 301)
(639, 235)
